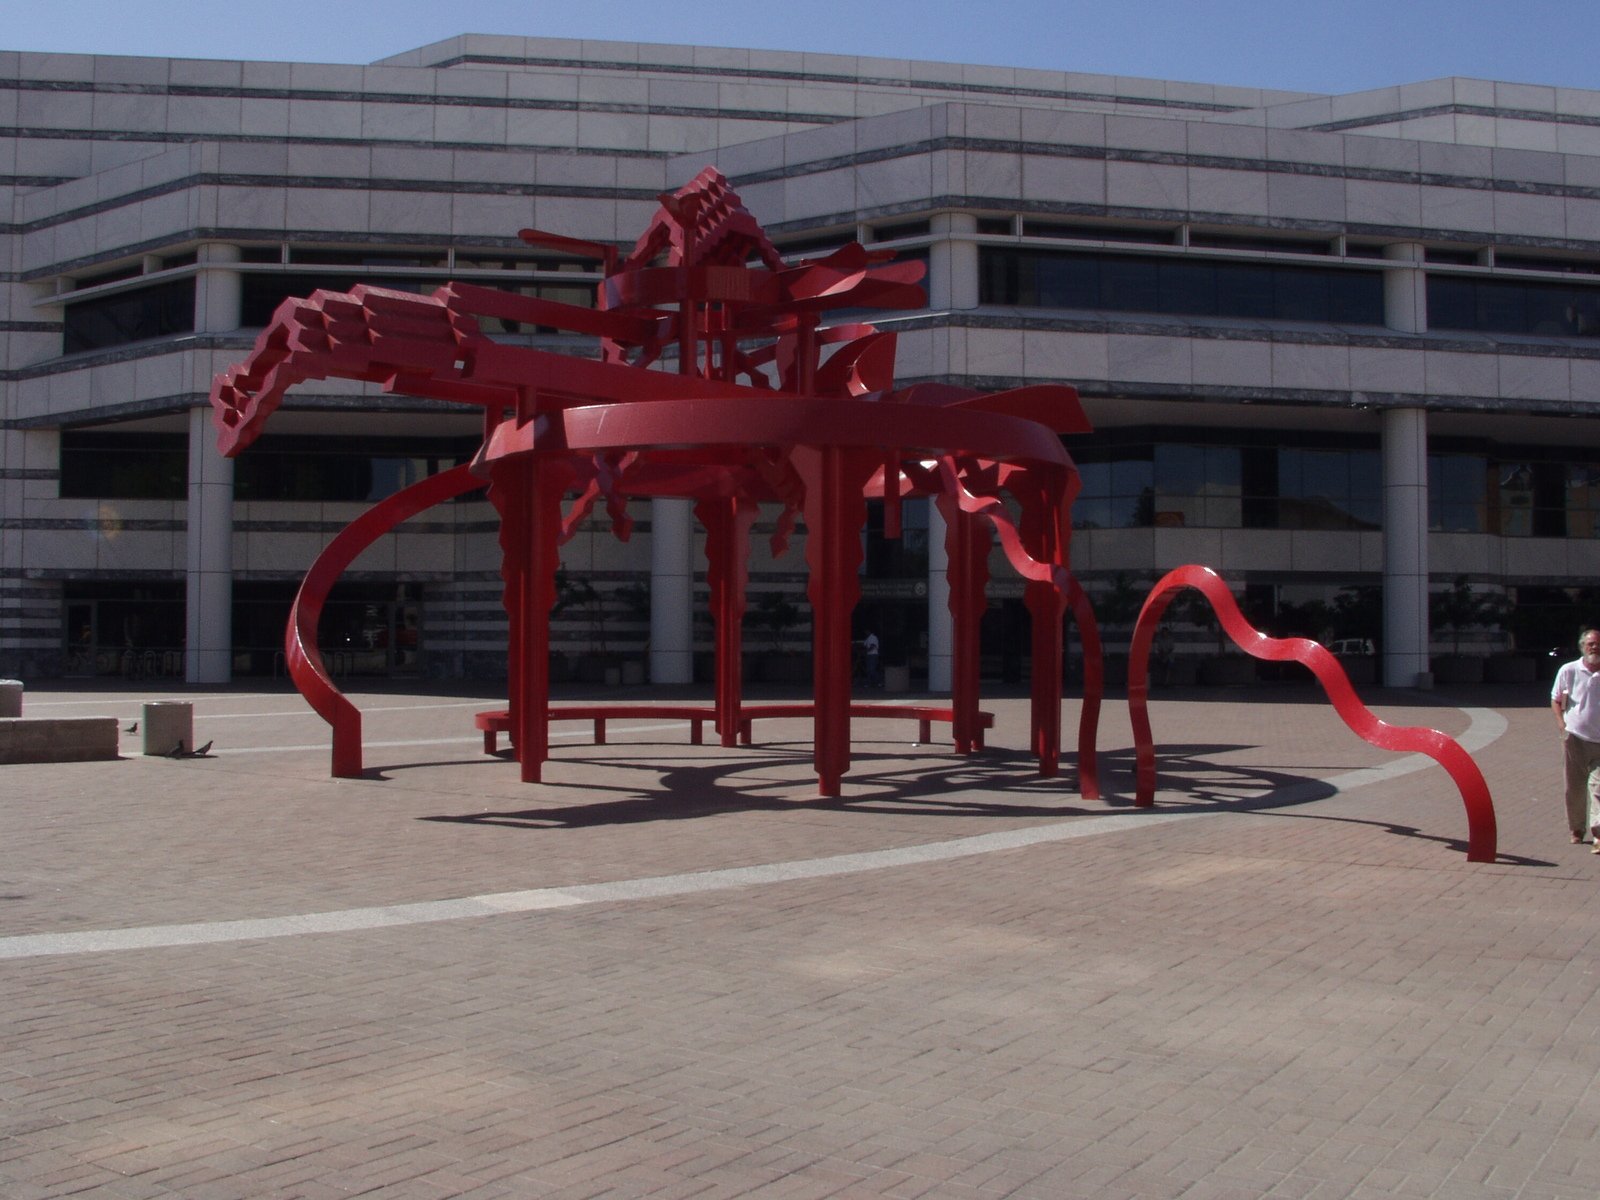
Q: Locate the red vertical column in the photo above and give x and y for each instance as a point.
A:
(835, 511)
(1046, 608)
(509, 492)
(547, 483)
(967, 547)
(1044, 538)
(727, 522)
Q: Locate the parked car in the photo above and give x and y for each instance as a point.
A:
(1352, 647)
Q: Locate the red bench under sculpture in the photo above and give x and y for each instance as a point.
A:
(715, 381)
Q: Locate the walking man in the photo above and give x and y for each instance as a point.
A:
(1575, 699)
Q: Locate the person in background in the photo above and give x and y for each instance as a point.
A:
(1575, 700)
(872, 669)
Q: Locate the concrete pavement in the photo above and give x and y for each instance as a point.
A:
(670, 972)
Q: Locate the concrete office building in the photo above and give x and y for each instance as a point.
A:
(1330, 344)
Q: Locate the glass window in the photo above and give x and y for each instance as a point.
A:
(1300, 295)
(1245, 291)
(1229, 479)
(1188, 287)
(1511, 306)
(98, 465)
(905, 557)
(1068, 283)
(1116, 484)
(132, 316)
(1583, 500)
(1365, 504)
(260, 295)
(1197, 486)
(1457, 493)
(1182, 286)
(1130, 285)
(341, 469)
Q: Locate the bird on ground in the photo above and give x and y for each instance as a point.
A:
(134, 728)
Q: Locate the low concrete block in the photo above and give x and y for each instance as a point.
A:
(10, 697)
(168, 726)
(57, 739)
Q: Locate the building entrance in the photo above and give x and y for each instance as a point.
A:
(131, 630)
(367, 629)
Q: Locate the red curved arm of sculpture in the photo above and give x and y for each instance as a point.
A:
(1438, 746)
(1056, 574)
(306, 667)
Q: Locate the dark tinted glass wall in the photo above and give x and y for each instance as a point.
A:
(1179, 286)
(261, 294)
(1510, 306)
(124, 466)
(342, 469)
(134, 316)
(1230, 479)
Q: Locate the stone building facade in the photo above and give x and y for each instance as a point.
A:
(1345, 349)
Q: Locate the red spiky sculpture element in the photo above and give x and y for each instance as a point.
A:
(765, 405)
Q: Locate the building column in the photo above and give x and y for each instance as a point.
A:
(953, 262)
(1405, 288)
(1405, 487)
(939, 636)
(671, 590)
(217, 289)
(1405, 546)
(208, 566)
(208, 569)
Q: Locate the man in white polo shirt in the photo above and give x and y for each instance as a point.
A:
(1575, 699)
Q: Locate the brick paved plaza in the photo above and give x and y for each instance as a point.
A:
(236, 977)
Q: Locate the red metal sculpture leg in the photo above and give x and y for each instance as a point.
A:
(835, 510)
(1440, 747)
(967, 551)
(1046, 607)
(549, 481)
(300, 650)
(1093, 690)
(727, 522)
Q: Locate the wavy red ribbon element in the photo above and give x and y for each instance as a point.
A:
(300, 650)
(1440, 747)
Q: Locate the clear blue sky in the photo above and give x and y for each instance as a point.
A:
(1322, 46)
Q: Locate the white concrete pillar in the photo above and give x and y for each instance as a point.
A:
(1405, 486)
(952, 281)
(1405, 288)
(217, 289)
(939, 624)
(671, 590)
(1405, 546)
(208, 567)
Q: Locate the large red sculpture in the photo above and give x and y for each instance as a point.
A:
(762, 405)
